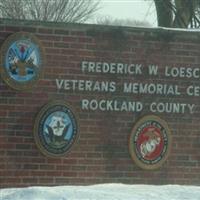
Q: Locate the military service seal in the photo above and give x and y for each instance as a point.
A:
(150, 142)
(21, 60)
(55, 129)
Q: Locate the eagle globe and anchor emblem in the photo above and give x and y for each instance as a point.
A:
(150, 142)
(21, 60)
(55, 129)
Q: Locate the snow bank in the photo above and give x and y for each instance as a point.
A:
(103, 192)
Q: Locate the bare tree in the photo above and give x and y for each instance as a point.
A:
(49, 10)
(178, 13)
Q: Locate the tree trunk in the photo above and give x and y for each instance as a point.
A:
(184, 13)
(178, 13)
(164, 12)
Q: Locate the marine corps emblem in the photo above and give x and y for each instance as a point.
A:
(21, 60)
(150, 142)
(55, 129)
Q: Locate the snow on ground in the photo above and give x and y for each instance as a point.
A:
(103, 192)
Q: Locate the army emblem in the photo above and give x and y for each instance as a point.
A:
(55, 129)
(150, 142)
(21, 60)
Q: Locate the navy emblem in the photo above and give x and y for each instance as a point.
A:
(55, 129)
(21, 60)
(150, 142)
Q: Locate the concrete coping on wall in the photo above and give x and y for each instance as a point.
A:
(161, 31)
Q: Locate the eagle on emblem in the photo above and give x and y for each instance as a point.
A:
(149, 146)
(57, 130)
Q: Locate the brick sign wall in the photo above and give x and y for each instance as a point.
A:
(111, 78)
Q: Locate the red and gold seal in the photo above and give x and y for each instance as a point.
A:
(150, 142)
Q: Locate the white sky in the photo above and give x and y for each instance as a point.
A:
(142, 10)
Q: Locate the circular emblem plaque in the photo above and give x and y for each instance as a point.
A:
(55, 129)
(150, 142)
(21, 60)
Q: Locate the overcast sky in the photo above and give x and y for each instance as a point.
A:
(143, 10)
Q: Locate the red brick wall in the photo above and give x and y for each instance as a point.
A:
(100, 154)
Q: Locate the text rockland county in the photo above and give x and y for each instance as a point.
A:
(136, 80)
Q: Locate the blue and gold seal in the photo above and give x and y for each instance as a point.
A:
(21, 60)
(55, 129)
